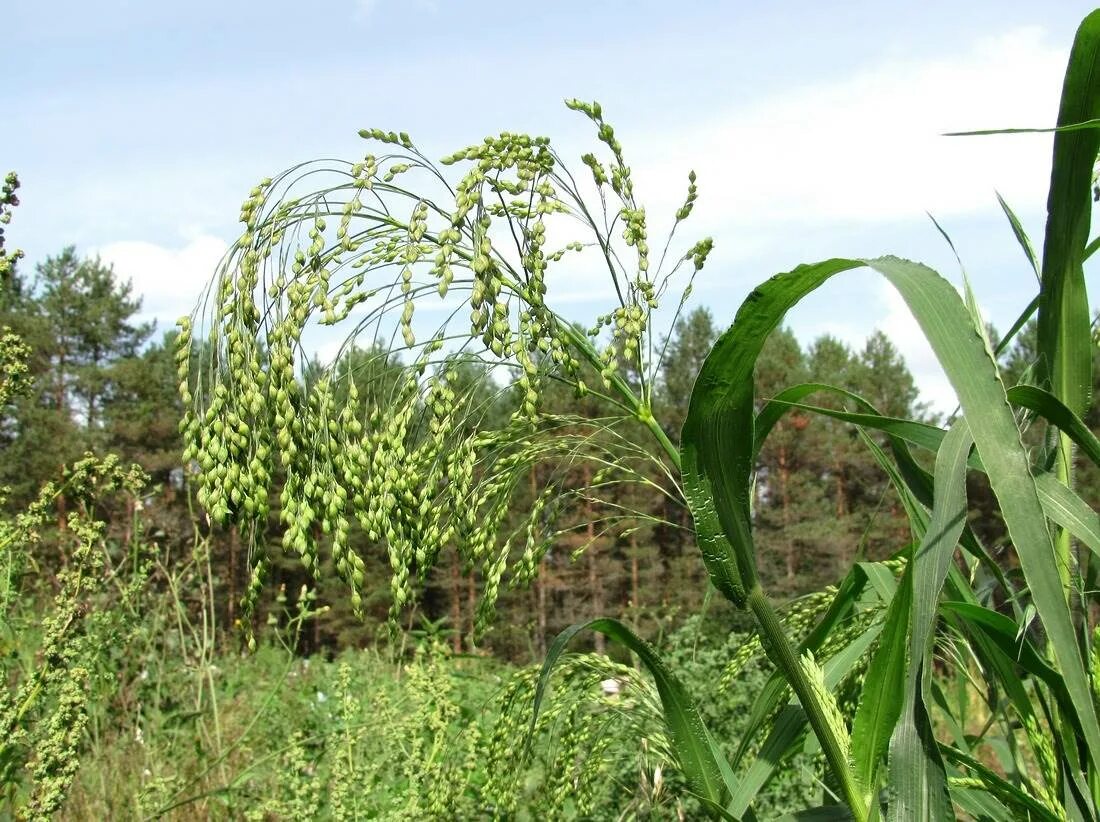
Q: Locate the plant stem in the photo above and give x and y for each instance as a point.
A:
(782, 654)
(645, 416)
(774, 639)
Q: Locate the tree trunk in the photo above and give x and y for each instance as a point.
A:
(635, 596)
(785, 502)
(540, 607)
(595, 584)
(841, 491)
(62, 408)
(456, 607)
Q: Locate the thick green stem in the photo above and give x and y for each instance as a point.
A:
(645, 416)
(782, 654)
(772, 635)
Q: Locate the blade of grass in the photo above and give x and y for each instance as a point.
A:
(916, 773)
(1065, 355)
(1069, 511)
(1064, 329)
(881, 698)
(1055, 412)
(963, 355)
(1084, 125)
(1005, 634)
(1061, 505)
(1020, 234)
(1005, 791)
(899, 432)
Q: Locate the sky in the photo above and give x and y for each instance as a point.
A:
(816, 129)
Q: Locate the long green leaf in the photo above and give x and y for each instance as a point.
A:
(981, 805)
(919, 433)
(1020, 322)
(717, 437)
(1005, 633)
(1020, 234)
(1026, 805)
(1065, 356)
(1068, 128)
(1061, 505)
(973, 374)
(881, 699)
(917, 778)
(1055, 412)
(688, 734)
(899, 432)
(1069, 511)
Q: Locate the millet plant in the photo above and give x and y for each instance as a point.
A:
(864, 668)
(414, 468)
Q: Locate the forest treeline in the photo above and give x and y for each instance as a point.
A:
(104, 381)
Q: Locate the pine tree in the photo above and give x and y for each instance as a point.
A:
(79, 320)
(680, 583)
(141, 414)
(685, 349)
(787, 496)
(884, 379)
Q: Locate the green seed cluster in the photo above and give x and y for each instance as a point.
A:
(14, 372)
(14, 353)
(833, 717)
(519, 167)
(57, 753)
(539, 538)
(797, 619)
(1042, 748)
(578, 729)
(8, 201)
(410, 469)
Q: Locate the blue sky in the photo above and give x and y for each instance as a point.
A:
(138, 127)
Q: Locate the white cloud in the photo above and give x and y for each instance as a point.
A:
(886, 311)
(867, 150)
(169, 279)
(870, 147)
(364, 8)
(899, 324)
